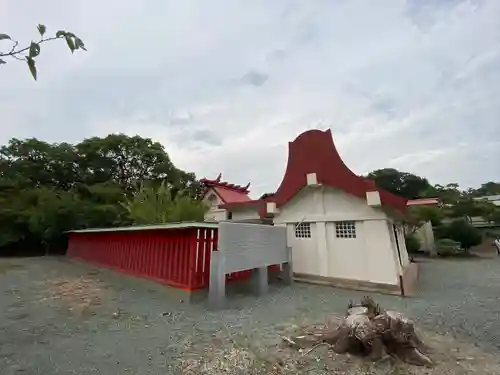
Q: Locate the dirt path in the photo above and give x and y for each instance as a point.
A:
(60, 317)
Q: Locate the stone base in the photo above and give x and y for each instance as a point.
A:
(409, 280)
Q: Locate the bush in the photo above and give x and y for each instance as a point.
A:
(441, 231)
(464, 233)
(412, 243)
(447, 247)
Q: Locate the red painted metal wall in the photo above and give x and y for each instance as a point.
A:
(177, 257)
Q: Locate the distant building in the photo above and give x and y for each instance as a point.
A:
(479, 221)
(425, 233)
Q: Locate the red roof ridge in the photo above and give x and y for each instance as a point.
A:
(227, 192)
(314, 151)
(224, 184)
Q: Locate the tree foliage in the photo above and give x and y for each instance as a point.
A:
(404, 184)
(448, 247)
(419, 215)
(29, 53)
(456, 203)
(158, 205)
(47, 189)
(412, 243)
(462, 232)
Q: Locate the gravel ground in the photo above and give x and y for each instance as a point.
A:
(62, 317)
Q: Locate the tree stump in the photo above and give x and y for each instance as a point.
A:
(369, 331)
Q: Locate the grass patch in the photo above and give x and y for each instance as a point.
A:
(5, 267)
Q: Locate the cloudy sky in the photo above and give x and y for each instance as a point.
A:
(224, 85)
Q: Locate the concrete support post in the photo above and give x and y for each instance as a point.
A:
(217, 285)
(288, 268)
(260, 280)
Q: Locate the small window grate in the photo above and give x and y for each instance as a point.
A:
(303, 230)
(345, 229)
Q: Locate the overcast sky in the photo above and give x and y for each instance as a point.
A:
(224, 85)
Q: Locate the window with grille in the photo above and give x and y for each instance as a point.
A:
(303, 230)
(345, 229)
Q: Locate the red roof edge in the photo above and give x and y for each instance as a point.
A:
(314, 152)
(224, 184)
(424, 202)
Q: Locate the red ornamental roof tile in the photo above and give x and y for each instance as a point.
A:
(231, 196)
(228, 193)
(314, 152)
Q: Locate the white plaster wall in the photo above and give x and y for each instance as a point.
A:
(212, 199)
(425, 234)
(381, 259)
(326, 204)
(245, 214)
(370, 256)
(216, 214)
(346, 256)
(304, 251)
(405, 259)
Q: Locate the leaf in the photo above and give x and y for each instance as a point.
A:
(79, 44)
(70, 43)
(4, 36)
(60, 34)
(41, 29)
(34, 50)
(2, 62)
(31, 66)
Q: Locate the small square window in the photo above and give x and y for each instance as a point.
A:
(345, 229)
(303, 230)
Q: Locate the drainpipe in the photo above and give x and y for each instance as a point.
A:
(401, 286)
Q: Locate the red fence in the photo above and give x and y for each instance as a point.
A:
(175, 256)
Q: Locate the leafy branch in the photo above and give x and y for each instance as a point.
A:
(30, 52)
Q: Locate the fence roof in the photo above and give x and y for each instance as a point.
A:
(180, 225)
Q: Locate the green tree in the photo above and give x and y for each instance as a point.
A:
(35, 163)
(128, 161)
(448, 194)
(412, 243)
(488, 188)
(404, 184)
(47, 189)
(156, 205)
(463, 232)
(419, 215)
(29, 53)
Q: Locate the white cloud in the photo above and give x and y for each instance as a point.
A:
(225, 85)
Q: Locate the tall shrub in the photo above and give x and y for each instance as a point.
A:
(464, 233)
(412, 243)
(155, 205)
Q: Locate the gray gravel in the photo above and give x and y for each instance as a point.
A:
(60, 317)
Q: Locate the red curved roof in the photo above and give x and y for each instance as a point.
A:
(314, 152)
(228, 193)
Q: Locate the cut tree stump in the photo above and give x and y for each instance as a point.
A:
(369, 331)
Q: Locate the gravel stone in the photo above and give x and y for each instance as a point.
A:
(63, 317)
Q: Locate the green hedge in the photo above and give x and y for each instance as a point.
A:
(412, 243)
(448, 247)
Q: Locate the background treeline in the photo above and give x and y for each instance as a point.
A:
(456, 221)
(47, 189)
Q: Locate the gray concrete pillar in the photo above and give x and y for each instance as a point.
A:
(288, 268)
(260, 280)
(217, 285)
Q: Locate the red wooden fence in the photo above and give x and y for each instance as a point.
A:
(177, 256)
